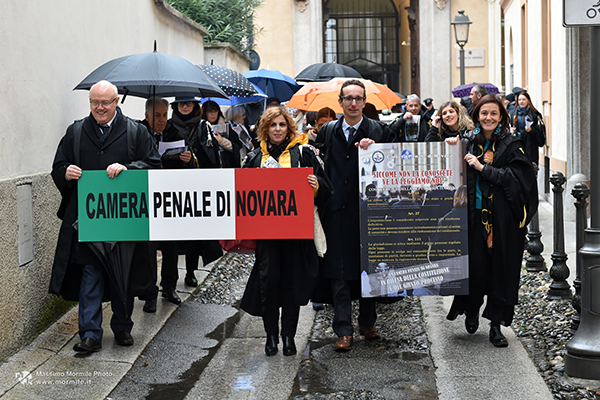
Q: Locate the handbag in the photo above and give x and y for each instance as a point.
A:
(246, 246)
(320, 239)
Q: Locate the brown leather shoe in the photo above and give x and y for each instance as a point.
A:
(344, 343)
(369, 332)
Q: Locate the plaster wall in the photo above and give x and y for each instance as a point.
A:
(308, 34)
(436, 48)
(226, 55)
(275, 44)
(47, 49)
(477, 11)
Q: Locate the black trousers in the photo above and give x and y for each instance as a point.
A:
(342, 304)
(280, 293)
(169, 275)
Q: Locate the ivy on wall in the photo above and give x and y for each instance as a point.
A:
(229, 21)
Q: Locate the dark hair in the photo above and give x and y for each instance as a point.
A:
(490, 98)
(267, 118)
(311, 118)
(480, 89)
(211, 105)
(528, 99)
(371, 112)
(325, 112)
(350, 82)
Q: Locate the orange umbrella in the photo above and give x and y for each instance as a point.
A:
(315, 95)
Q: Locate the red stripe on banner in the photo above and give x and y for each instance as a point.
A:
(274, 203)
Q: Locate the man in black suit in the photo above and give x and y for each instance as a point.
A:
(340, 215)
(104, 140)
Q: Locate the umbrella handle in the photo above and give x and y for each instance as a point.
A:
(307, 93)
(124, 96)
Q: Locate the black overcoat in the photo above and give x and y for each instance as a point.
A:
(515, 200)
(66, 275)
(340, 217)
(300, 254)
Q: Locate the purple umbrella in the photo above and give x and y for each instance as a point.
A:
(465, 90)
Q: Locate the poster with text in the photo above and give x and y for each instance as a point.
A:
(413, 220)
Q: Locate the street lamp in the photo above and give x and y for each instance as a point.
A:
(461, 33)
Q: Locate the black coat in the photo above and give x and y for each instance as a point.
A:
(434, 134)
(170, 134)
(398, 127)
(66, 275)
(340, 215)
(199, 134)
(534, 138)
(299, 255)
(514, 189)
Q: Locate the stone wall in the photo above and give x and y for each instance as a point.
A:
(47, 49)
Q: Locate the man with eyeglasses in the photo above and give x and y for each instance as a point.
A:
(413, 125)
(104, 140)
(340, 214)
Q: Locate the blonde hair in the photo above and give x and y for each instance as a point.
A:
(464, 122)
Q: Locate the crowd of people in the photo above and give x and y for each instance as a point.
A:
(288, 273)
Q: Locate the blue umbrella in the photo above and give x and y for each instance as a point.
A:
(273, 83)
(235, 100)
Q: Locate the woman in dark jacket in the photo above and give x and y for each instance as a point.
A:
(286, 271)
(187, 118)
(503, 197)
(528, 124)
(228, 139)
(449, 121)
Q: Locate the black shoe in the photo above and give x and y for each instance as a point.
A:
(124, 338)
(452, 315)
(171, 296)
(471, 324)
(87, 345)
(271, 345)
(497, 338)
(289, 347)
(190, 279)
(150, 306)
(318, 306)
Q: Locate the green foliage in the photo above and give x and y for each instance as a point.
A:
(228, 21)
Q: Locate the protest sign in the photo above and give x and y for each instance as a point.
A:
(196, 204)
(413, 220)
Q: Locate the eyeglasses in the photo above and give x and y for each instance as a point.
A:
(350, 99)
(186, 103)
(95, 103)
(212, 111)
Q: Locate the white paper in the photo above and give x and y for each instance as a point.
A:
(164, 146)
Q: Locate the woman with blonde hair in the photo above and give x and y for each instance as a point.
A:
(449, 121)
(286, 271)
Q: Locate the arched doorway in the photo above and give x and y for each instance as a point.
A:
(363, 34)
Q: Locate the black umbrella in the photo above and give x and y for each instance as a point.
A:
(323, 72)
(116, 258)
(231, 82)
(154, 74)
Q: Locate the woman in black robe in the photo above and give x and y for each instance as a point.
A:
(502, 192)
(286, 271)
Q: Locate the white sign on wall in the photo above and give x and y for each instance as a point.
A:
(581, 13)
(473, 58)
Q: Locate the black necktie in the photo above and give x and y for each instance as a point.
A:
(104, 129)
(351, 131)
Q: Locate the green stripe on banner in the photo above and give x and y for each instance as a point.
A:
(113, 209)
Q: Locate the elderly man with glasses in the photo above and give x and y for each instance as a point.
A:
(104, 140)
(340, 215)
